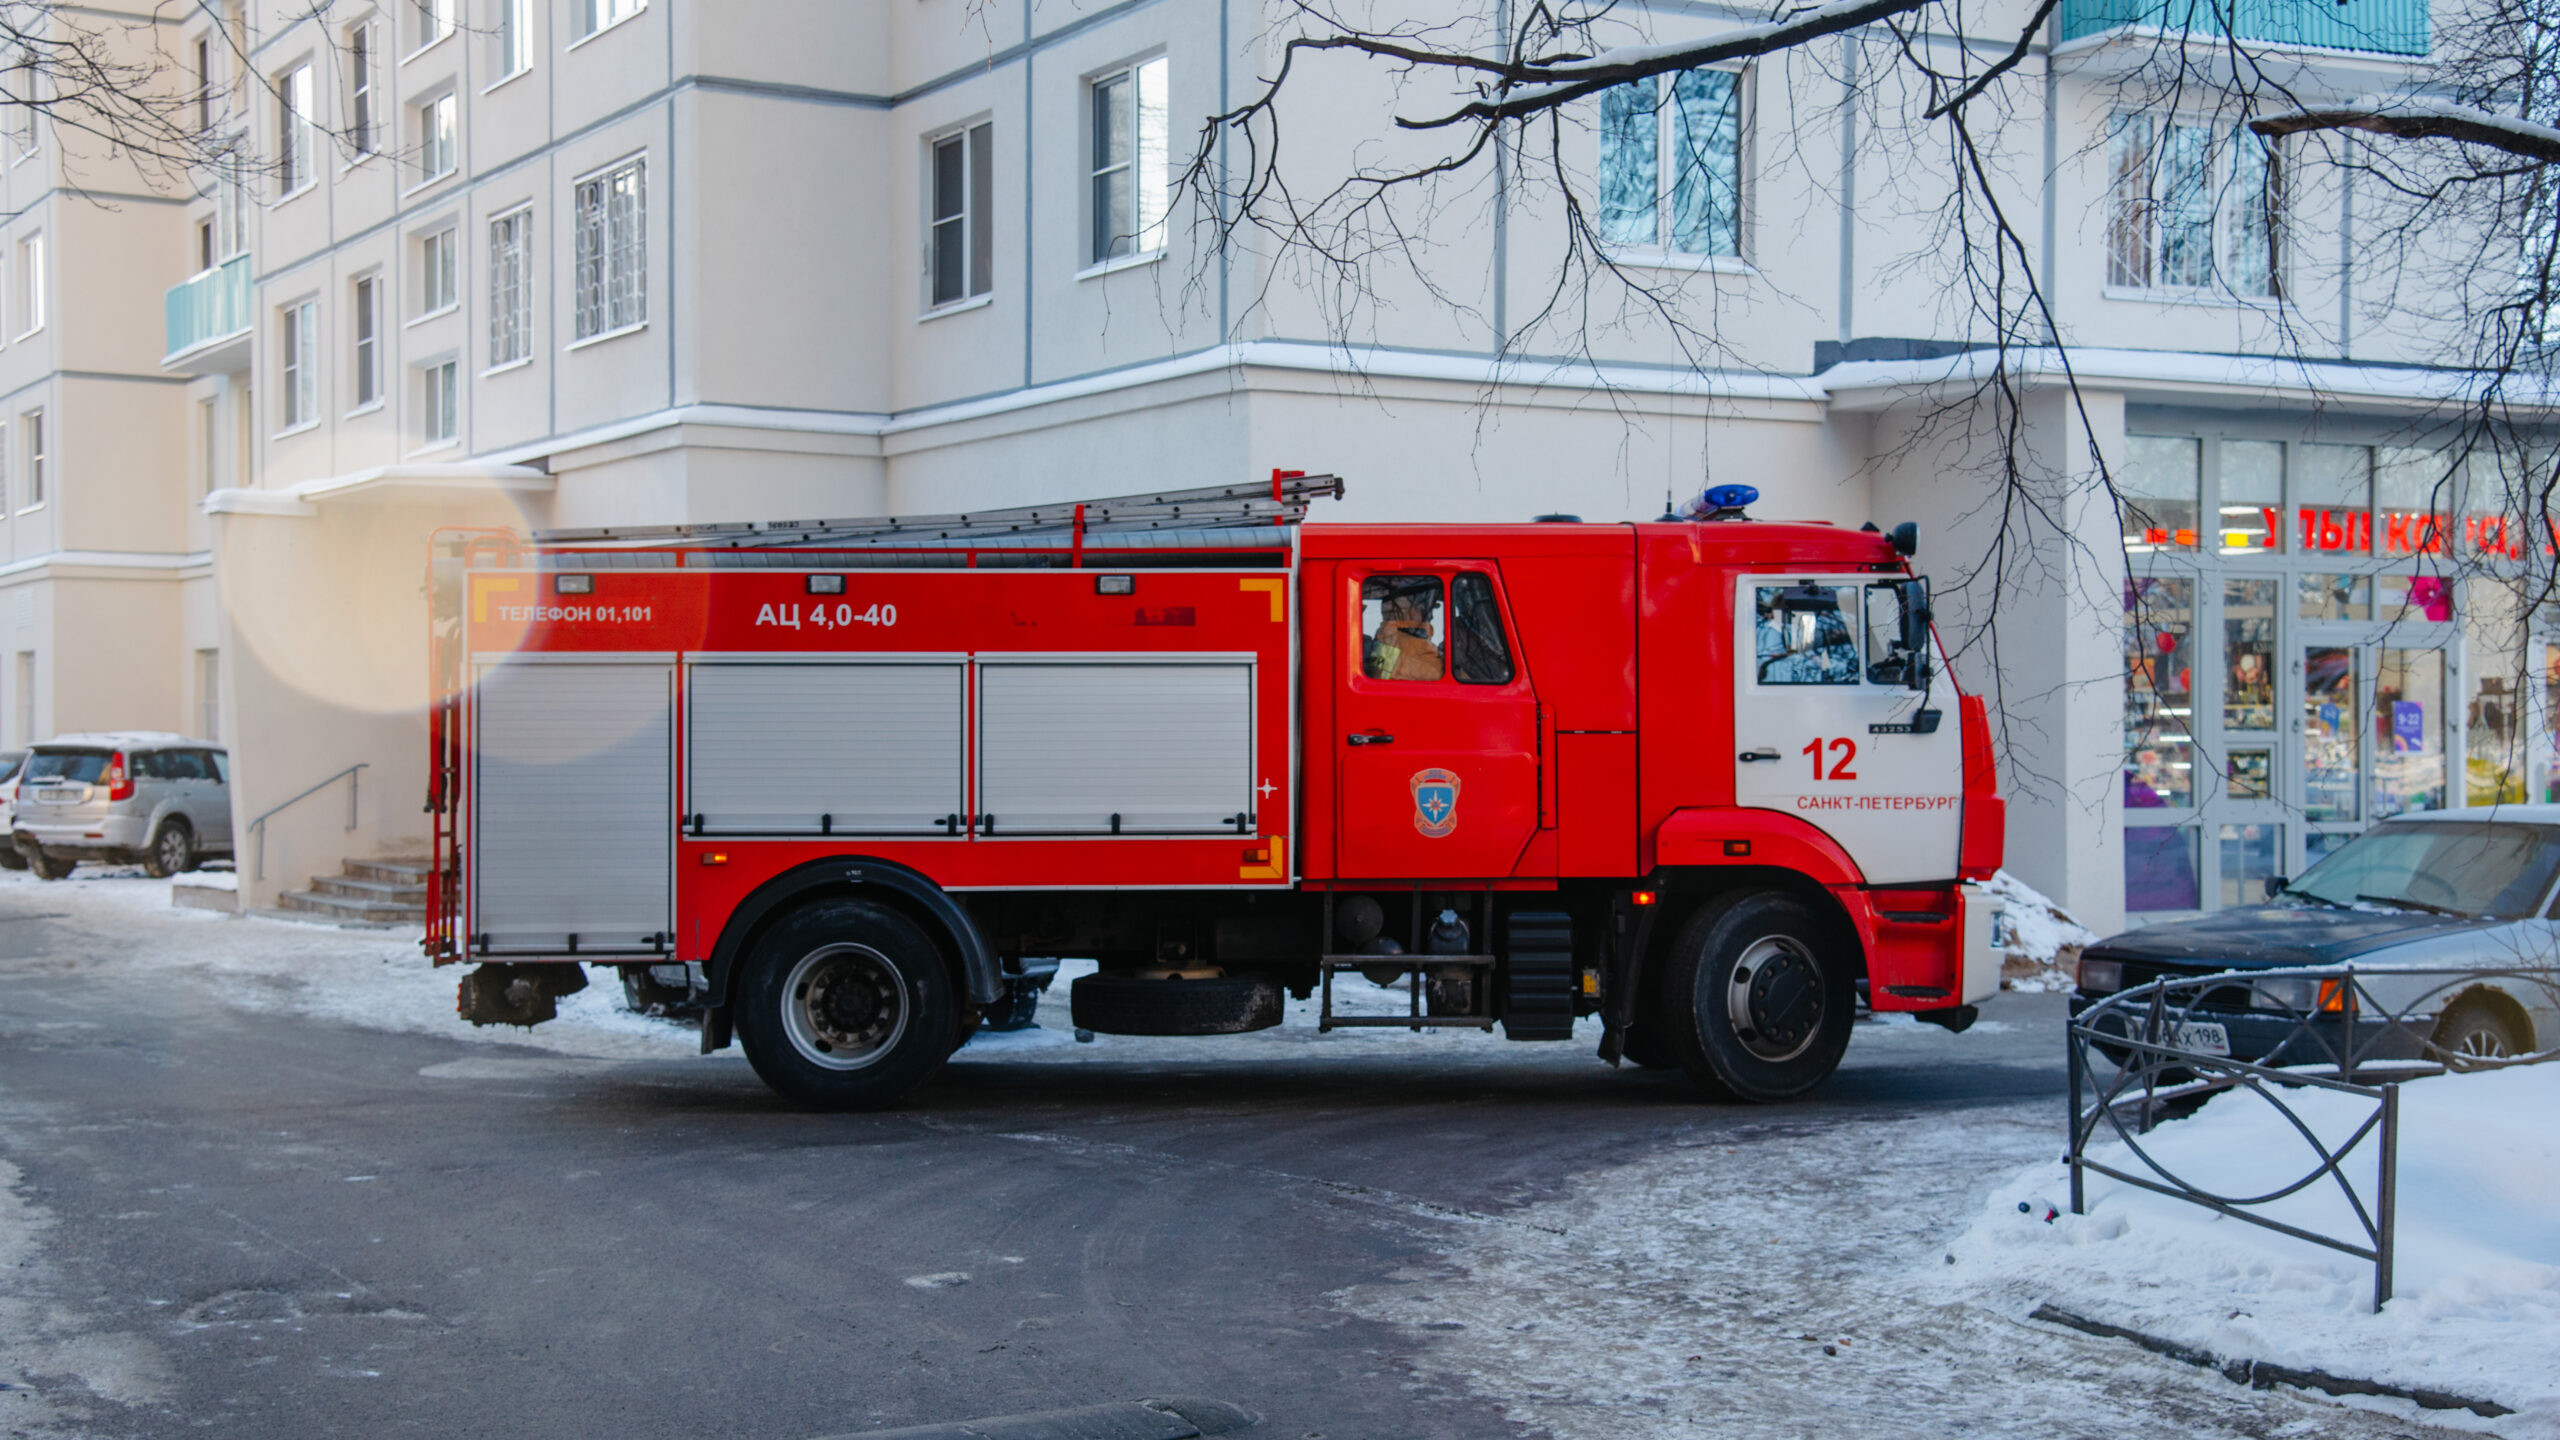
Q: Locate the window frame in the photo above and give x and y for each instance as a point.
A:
(31, 437)
(364, 340)
(298, 133)
(973, 223)
(364, 122)
(435, 21)
(1662, 252)
(2126, 212)
(31, 283)
(298, 365)
(595, 245)
(597, 17)
(444, 107)
(448, 390)
(511, 37)
(1099, 247)
(511, 289)
(443, 240)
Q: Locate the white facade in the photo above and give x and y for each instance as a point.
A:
(591, 262)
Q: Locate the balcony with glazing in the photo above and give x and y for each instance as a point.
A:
(2370, 27)
(208, 315)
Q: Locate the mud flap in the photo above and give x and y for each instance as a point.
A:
(1537, 978)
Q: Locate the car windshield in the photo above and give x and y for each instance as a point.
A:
(2498, 871)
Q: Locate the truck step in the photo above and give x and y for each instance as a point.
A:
(1537, 994)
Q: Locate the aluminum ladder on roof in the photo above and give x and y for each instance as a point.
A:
(1283, 501)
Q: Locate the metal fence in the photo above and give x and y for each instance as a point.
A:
(2156, 1051)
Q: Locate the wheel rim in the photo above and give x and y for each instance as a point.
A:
(1774, 1001)
(2483, 1042)
(844, 1006)
(173, 848)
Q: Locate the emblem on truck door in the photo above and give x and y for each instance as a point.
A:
(1435, 802)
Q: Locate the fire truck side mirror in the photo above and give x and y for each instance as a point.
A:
(1916, 615)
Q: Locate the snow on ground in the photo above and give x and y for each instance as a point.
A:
(373, 978)
(2476, 1307)
(2041, 940)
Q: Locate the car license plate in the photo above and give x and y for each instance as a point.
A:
(2205, 1037)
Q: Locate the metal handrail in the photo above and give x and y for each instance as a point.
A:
(258, 827)
(2340, 1036)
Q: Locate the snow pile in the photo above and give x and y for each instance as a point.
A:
(2040, 939)
(2476, 1307)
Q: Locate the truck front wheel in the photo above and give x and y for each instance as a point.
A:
(1757, 997)
(845, 1005)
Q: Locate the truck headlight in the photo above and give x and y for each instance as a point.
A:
(2101, 977)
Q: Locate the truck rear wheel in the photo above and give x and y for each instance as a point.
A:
(1757, 997)
(846, 1005)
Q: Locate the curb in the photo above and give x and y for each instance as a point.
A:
(2264, 1375)
(1173, 1419)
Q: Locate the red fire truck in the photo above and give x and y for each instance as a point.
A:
(1704, 778)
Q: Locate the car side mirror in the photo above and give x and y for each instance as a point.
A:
(2276, 884)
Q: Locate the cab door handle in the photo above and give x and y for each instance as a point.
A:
(1750, 755)
(1380, 737)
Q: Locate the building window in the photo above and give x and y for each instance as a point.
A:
(436, 273)
(299, 364)
(361, 124)
(231, 205)
(510, 287)
(31, 430)
(963, 244)
(513, 36)
(22, 117)
(297, 139)
(2194, 207)
(1129, 155)
(595, 15)
(1671, 174)
(31, 282)
(439, 410)
(208, 695)
(611, 251)
(204, 84)
(208, 438)
(436, 139)
(366, 302)
(434, 21)
(204, 244)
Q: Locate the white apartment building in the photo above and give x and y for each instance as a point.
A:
(581, 262)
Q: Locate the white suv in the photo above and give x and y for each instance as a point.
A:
(163, 800)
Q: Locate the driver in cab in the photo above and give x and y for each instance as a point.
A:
(1403, 647)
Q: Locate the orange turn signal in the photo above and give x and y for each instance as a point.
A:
(1645, 897)
(715, 857)
(2333, 996)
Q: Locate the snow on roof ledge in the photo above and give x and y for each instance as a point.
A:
(2173, 374)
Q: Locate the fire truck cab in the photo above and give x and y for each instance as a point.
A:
(1704, 778)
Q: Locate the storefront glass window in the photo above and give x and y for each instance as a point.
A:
(2330, 735)
(2413, 490)
(2159, 706)
(2249, 655)
(2495, 707)
(2160, 868)
(2427, 598)
(2333, 498)
(2334, 596)
(2251, 856)
(2550, 653)
(2252, 507)
(2162, 489)
(2408, 731)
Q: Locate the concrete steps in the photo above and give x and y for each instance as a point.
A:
(380, 892)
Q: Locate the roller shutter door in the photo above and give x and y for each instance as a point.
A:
(1166, 747)
(574, 815)
(846, 748)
